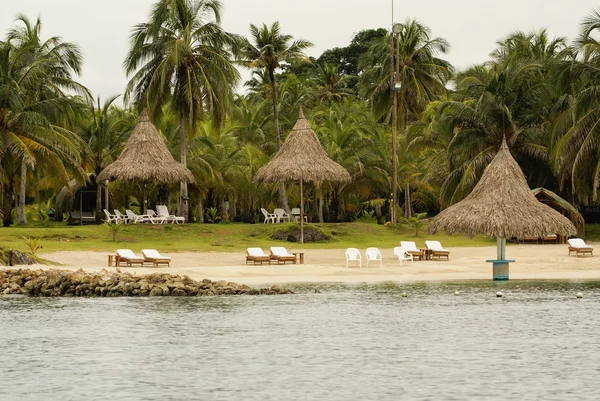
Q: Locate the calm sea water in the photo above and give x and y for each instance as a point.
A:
(345, 343)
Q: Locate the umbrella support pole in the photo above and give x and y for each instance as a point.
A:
(301, 213)
(500, 265)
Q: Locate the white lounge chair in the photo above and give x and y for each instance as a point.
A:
(120, 216)
(353, 255)
(163, 212)
(111, 218)
(373, 254)
(402, 255)
(281, 215)
(579, 246)
(280, 254)
(269, 217)
(154, 217)
(411, 248)
(435, 248)
(257, 255)
(128, 257)
(136, 218)
(154, 257)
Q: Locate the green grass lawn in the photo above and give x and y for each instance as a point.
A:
(212, 237)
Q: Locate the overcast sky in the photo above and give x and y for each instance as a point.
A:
(102, 27)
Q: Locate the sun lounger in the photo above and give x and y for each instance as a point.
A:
(136, 218)
(411, 248)
(121, 217)
(111, 218)
(579, 246)
(550, 239)
(154, 257)
(373, 255)
(436, 250)
(531, 240)
(402, 255)
(280, 254)
(353, 255)
(256, 255)
(296, 214)
(163, 212)
(269, 217)
(128, 257)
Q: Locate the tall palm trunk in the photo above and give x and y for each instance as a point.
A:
(7, 195)
(320, 204)
(99, 202)
(21, 217)
(200, 208)
(183, 188)
(282, 195)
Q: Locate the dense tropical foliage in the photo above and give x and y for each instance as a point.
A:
(540, 94)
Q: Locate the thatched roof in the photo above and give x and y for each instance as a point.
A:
(559, 204)
(146, 158)
(302, 157)
(502, 206)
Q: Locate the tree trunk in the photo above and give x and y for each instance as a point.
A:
(99, 213)
(200, 208)
(7, 219)
(320, 204)
(282, 195)
(407, 202)
(183, 188)
(21, 217)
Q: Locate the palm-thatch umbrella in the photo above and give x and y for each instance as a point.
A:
(502, 206)
(145, 159)
(551, 199)
(302, 158)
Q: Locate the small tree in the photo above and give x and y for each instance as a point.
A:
(416, 221)
(114, 229)
(32, 244)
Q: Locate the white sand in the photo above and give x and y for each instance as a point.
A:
(328, 265)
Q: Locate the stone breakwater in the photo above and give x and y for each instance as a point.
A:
(62, 283)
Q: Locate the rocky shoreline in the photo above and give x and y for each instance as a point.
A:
(64, 283)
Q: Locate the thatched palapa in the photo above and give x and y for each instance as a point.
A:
(502, 206)
(302, 157)
(146, 158)
(561, 205)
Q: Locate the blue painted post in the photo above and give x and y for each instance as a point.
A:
(500, 264)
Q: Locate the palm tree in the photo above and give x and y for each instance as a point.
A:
(34, 108)
(271, 48)
(331, 85)
(104, 130)
(182, 57)
(422, 76)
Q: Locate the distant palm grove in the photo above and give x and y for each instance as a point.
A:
(540, 93)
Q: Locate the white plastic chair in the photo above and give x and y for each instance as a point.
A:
(121, 217)
(373, 254)
(353, 255)
(296, 214)
(163, 212)
(402, 255)
(281, 215)
(269, 217)
(111, 218)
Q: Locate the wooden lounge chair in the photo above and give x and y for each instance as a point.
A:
(531, 240)
(128, 257)
(411, 248)
(373, 255)
(436, 250)
(402, 255)
(579, 246)
(550, 239)
(256, 255)
(280, 254)
(353, 255)
(154, 257)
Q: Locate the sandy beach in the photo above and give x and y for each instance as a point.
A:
(328, 265)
